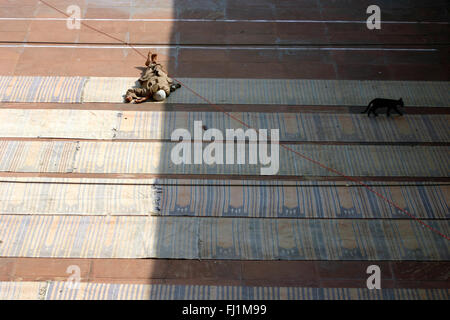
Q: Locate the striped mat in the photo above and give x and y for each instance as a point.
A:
(155, 158)
(57, 290)
(41, 89)
(95, 124)
(259, 199)
(221, 238)
(283, 92)
(228, 91)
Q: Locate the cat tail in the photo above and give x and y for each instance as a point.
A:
(368, 107)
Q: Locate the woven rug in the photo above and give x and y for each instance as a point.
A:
(259, 199)
(221, 238)
(228, 91)
(155, 158)
(95, 124)
(53, 290)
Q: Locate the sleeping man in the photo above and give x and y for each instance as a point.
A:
(155, 83)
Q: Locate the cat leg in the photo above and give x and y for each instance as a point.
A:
(398, 111)
(388, 112)
(368, 107)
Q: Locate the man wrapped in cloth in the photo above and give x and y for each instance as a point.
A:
(155, 83)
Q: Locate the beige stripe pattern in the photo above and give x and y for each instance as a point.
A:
(95, 124)
(221, 238)
(54, 290)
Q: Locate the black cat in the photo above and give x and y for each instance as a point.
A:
(384, 103)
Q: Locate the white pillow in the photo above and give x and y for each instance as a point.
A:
(159, 95)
